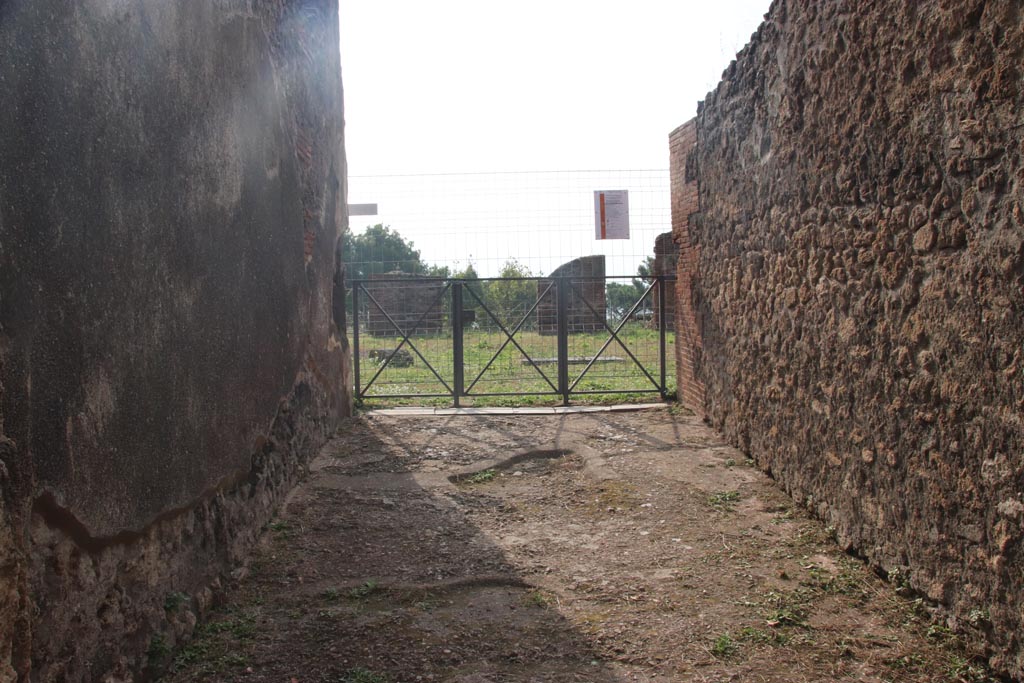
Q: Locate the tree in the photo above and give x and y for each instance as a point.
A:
(645, 270)
(472, 282)
(510, 299)
(619, 298)
(379, 249)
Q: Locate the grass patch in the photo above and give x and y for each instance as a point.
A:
(481, 477)
(724, 500)
(216, 646)
(364, 590)
(537, 598)
(724, 647)
(846, 582)
(361, 675)
(786, 609)
(239, 628)
(749, 634)
(508, 372)
(968, 670)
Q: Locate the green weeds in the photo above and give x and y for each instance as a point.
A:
(364, 590)
(724, 501)
(481, 477)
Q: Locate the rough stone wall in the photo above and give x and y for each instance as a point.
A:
(416, 306)
(586, 276)
(171, 315)
(857, 276)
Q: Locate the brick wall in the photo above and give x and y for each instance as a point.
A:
(851, 292)
(685, 203)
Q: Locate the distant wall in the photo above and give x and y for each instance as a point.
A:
(856, 279)
(587, 286)
(172, 191)
(395, 308)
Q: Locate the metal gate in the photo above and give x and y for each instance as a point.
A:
(422, 337)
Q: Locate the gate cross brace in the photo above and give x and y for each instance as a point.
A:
(406, 335)
(510, 337)
(615, 334)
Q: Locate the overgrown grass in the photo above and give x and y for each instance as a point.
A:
(510, 372)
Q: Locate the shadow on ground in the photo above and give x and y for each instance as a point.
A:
(597, 547)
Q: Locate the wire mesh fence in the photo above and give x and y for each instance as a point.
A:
(512, 340)
(537, 219)
(457, 288)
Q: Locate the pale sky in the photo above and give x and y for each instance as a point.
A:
(471, 85)
(455, 86)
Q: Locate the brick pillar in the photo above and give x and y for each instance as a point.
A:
(686, 203)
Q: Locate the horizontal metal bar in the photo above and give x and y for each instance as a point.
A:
(417, 279)
(513, 393)
(366, 396)
(590, 171)
(618, 391)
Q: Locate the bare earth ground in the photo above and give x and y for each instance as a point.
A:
(586, 547)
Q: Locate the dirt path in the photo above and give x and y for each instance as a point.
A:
(589, 547)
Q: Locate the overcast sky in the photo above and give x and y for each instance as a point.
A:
(471, 85)
(456, 86)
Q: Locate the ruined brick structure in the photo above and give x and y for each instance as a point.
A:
(855, 276)
(587, 275)
(405, 303)
(685, 203)
(666, 257)
(172, 349)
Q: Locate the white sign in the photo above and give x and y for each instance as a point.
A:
(611, 214)
(362, 209)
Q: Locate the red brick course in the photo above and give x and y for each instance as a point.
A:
(685, 203)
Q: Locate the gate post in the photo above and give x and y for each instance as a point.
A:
(562, 310)
(662, 324)
(457, 352)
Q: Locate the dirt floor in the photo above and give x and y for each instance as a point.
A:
(585, 547)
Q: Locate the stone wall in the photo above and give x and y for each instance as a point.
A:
(856, 276)
(586, 277)
(172, 350)
(416, 306)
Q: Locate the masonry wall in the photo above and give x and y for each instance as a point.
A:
(855, 276)
(394, 308)
(172, 351)
(586, 303)
(685, 204)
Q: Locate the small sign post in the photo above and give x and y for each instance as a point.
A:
(611, 214)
